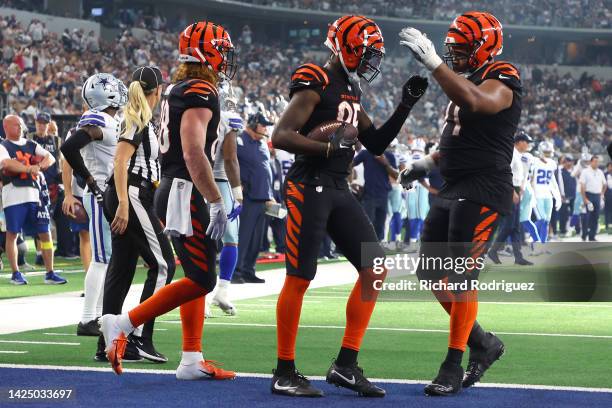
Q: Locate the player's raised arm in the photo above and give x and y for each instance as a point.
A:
(377, 140)
(490, 97)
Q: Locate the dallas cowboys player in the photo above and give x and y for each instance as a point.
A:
(545, 188)
(96, 139)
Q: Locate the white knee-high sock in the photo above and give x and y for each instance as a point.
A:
(94, 285)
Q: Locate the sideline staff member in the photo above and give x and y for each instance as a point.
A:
(592, 187)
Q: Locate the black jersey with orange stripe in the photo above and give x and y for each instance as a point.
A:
(188, 94)
(339, 101)
(476, 149)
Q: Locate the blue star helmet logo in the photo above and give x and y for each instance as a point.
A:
(103, 81)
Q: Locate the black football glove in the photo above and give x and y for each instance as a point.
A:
(413, 89)
(339, 143)
(415, 171)
(95, 190)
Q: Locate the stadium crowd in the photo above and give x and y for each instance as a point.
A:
(575, 13)
(42, 72)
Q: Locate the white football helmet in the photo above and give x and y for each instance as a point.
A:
(102, 91)
(546, 149)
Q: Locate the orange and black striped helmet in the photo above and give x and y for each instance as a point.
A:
(478, 35)
(210, 44)
(359, 44)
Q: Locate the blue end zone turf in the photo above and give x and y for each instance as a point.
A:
(96, 389)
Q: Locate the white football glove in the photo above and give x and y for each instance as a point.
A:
(218, 220)
(558, 204)
(421, 46)
(231, 121)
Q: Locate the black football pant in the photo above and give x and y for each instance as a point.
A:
(143, 237)
(314, 212)
(198, 252)
(456, 229)
(565, 213)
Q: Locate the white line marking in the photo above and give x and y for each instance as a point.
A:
(319, 378)
(402, 329)
(50, 343)
(156, 329)
(12, 352)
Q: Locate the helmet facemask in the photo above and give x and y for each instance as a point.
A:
(369, 64)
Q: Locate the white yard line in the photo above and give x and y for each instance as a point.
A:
(49, 311)
(12, 352)
(400, 329)
(49, 343)
(320, 378)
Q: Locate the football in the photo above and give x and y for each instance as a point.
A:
(80, 215)
(325, 131)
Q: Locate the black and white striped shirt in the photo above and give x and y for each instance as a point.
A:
(144, 162)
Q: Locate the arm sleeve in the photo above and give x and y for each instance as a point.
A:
(308, 76)
(71, 150)
(377, 140)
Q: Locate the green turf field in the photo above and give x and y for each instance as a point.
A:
(550, 344)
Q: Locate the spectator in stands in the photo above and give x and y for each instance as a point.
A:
(22, 160)
(256, 180)
(377, 170)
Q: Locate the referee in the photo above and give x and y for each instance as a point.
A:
(128, 204)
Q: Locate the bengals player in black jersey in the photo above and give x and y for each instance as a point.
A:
(188, 200)
(318, 197)
(474, 158)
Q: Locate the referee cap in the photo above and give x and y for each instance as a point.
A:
(149, 77)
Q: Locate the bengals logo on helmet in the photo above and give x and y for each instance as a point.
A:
(359, 44)
(210, 44)
(478, 35)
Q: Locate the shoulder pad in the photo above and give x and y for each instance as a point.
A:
(308, 76)
(504, 72)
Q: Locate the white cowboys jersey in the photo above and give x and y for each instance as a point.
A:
(543, 178)
(99, 155)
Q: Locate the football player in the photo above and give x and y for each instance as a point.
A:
(474, 158)
(227, 176)
(545, 188)
(528, 201)
(417, 199)
(318, 198)
(96, 134)
(190, 115)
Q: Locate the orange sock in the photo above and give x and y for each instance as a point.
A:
(288, 309)
(359, 309)
(462, 317)
(165, 299)
(192, 321)
(444, 297)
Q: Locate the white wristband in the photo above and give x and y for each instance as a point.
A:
(237, 193)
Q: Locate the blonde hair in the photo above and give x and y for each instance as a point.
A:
(193, 70)
(137, 112)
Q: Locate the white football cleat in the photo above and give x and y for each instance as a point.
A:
(203, 370)
(115, 340)
(221, 299)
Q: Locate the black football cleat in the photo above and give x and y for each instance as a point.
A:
(146, 350)
(523, 261)
(91, 328)
(293, 384)
(494, 257)
(352, 377)
(482, 358)
(447, 382)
